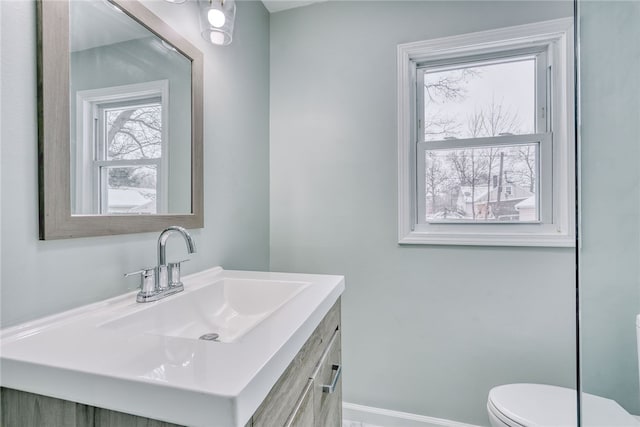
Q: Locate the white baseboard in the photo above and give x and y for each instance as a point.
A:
(388, 418)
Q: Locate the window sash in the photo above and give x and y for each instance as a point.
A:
(544, 173)
(543, 82)
(101, 132)
(100, 167)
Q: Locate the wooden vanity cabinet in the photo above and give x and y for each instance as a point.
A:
(297, 399)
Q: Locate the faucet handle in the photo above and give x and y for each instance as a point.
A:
(133, 273)
(174, 273)
(147, 279)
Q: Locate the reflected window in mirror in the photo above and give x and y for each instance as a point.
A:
(121, 158)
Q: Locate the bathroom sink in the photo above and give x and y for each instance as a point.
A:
(223, 311)
(103, 353)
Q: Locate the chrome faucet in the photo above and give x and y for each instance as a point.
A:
(166, 272)
(164, 279)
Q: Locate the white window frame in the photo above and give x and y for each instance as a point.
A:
(88, 195)
(556, 156)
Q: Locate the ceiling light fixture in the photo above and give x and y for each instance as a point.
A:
(217, 18)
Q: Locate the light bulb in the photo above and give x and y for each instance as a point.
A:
(216, 17)
(217, 37)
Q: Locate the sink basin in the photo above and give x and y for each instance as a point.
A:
(228, 308)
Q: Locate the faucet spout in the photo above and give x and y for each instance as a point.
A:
(164, 236)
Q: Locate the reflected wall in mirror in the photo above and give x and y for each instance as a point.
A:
(129, 89)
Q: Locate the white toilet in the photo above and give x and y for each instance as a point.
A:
(538, 405)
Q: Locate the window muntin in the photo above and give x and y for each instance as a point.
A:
(473, 102)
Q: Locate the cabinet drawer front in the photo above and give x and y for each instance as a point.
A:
(302, 415)
(327, 393)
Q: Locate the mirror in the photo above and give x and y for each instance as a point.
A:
(120, 121)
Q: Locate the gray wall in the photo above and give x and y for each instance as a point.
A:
(427, 329)
(610, 192)
(39, 278)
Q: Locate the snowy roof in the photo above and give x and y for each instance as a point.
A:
(526, 203)
(517, 193)
(465, 190)
(127, 198)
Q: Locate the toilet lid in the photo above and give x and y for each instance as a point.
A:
(535, 404)
(545, 405)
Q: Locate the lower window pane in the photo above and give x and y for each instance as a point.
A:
(488, 184)
(129, 190)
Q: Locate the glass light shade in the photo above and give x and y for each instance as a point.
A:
(217, 18)
(217, 37)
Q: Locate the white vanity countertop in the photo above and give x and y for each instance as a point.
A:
(180, 380)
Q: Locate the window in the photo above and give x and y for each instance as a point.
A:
(121, 157)
(485, 138)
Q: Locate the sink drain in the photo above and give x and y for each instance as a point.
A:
(210, 337)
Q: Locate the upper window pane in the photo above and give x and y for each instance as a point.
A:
(480, 100)
(134, 132)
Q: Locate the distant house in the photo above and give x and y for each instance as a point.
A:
(486, 203)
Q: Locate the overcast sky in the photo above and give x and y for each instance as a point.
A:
(511, 84)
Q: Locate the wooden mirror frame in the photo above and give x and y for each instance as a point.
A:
(54, 162)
